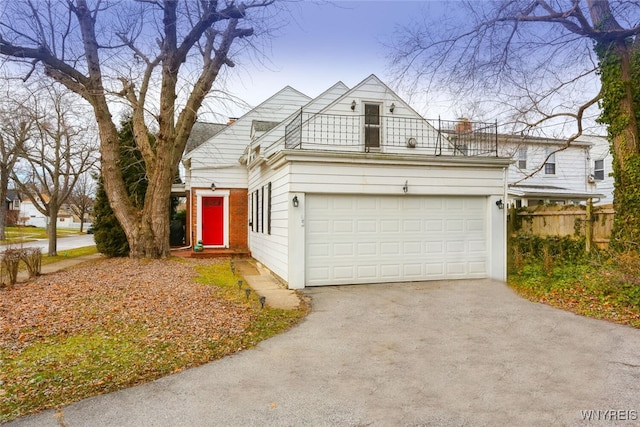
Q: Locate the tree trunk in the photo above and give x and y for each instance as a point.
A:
(4, 184)
(52, 230)
(620, 78)
(620, 105)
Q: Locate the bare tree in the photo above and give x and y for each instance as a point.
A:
(82, 197)
(552, 63)
(62, 150)
(16, 124)
(159, 58)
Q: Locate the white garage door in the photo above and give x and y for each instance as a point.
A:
(372, 239)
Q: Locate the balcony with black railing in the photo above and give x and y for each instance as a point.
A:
(391, 134)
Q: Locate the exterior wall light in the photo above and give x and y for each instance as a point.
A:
(295, 201)
(353, 105)
(213, 186)
(499, 204)
(406, 187)
(392, 107)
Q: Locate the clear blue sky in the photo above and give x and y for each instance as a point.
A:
(328, 42)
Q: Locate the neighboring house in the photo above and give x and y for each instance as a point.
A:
(601, 167)
(30, 216)
(546, 170)
(353, 186)
(13, 200)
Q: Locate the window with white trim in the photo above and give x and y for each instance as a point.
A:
(598, 170)
(550, 164)
(522, 158)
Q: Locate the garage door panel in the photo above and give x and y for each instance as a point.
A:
(455, 248)
(434, 247)
(367, 226)
(319, 250)
(318, 226)
(343, 249)
(475, 225)
(479, 246)
(342, 226)
(344, 272)
(455, 225)
(370, 239)
(412, 248)
(478, 267)
(390, 271)
(389, 226)
(411, 226)
(366, 204)
(434, 225)
(367, 271)
(390, 248)
(413, 271)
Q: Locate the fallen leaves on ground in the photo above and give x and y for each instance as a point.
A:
(160, 294)
(119, 322)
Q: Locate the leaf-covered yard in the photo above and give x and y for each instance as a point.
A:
(120, 322)
(601, 287)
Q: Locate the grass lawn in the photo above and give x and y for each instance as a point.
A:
(121, 322)
(15, 234)
(69, 253)
(607, 289)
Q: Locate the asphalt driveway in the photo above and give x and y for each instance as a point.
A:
(432, 353)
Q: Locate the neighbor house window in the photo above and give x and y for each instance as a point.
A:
(550, 165)
(522, 158)
(598, 170)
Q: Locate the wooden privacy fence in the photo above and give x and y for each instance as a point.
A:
(594, 223)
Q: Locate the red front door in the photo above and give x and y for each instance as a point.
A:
(213, 221)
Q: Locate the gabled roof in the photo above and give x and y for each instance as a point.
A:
(13, 195)
(251, 113)
(309, 107)
(377, 81)
(201, 132)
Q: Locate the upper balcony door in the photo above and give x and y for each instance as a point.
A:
(371, 127)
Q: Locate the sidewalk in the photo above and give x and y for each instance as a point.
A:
(60, 265)
(265, 284)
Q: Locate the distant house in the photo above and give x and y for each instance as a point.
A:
(67, 218)
(351, 187)
(12, 201)
(601, 167)
(30, 216)
(546, 170)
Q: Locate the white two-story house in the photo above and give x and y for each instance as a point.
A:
(547, 170)
(353, 186)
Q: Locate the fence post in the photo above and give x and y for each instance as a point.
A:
(588, 226)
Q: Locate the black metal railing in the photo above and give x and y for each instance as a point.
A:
(437, 137)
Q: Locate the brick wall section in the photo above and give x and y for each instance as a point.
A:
(238, 218)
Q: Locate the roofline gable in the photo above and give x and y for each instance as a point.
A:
(380, 82)
(288, 119)
(245, 116)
